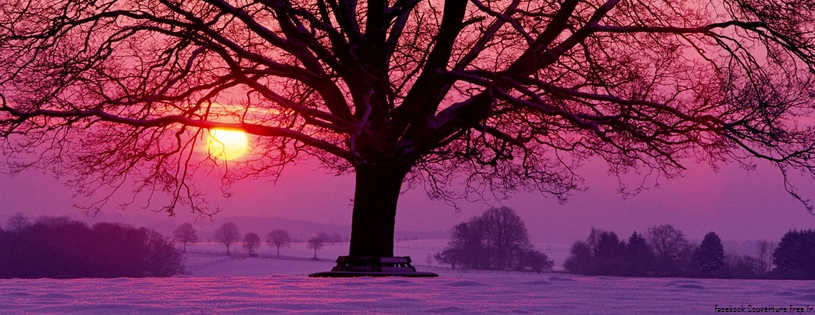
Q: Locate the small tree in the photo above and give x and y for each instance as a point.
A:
(580, 258)
(709, 257)
(315, 243)
(533, 260)
(277, 239)
(764, 250)
(227, 234)
(251, 242)
(185, 234)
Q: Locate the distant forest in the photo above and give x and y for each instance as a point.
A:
(58, 247)
(663, 251)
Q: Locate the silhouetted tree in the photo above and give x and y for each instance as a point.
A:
(185, 234)
(580, 259)
(532, 260)
(504, 236)
(277, 239)
(671, 249)
(17, 223)
(162, 259)
(251, 242)
(227, 234)
(495, 240)
(510, 94)
(609, 255)
(640, 256)
(794, 257)
(465, 248)
(315, 243)
(709, 257)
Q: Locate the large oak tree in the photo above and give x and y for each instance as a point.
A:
(501, 95)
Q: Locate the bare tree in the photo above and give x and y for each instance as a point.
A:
(667, 241)
(764, 250)
(315, 243)
(278, 238)
(185, 234)
(505, 95)
(227, 234)
(251, 242)
(673, 252)
(17, 223)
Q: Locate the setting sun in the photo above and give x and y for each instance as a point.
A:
(227, 144)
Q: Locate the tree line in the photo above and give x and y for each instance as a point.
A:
(58, 247)
(229, 234)
(664, 251)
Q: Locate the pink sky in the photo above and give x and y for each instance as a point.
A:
(735, 204)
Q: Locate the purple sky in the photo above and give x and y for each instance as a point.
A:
(735, 204)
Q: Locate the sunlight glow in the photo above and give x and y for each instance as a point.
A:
(227, 144)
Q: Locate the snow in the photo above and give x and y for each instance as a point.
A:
(267, 285)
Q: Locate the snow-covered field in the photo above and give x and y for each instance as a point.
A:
(221, 285)
(420, 251)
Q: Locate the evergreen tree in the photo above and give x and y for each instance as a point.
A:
(795, 255)
(580, 260)
(609, 255)
(709, 257)
(640, 256)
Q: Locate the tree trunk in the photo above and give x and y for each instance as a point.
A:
(375, 197)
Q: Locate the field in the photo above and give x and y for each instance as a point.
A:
(264, 285)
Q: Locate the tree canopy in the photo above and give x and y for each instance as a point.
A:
(504, 95)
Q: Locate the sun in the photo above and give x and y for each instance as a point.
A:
(227, 144)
